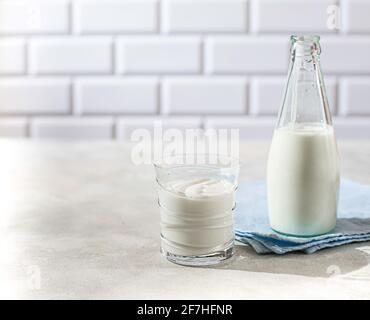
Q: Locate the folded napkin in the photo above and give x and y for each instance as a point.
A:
(252, 225)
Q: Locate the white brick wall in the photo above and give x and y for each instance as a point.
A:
(71, 128)
(12, 56)
(185, 16)
(99, 69)
(346, 55)
(115, 16)
(160, 55)
(203, 95)
(250, 128)
(246, 54)
(356, 18)
(290, 16)
(262, 103)
(126, 125)
(355, 96)
(34, 17)
(34, 96)
(13, 127)
(102, 95)
(70, 55)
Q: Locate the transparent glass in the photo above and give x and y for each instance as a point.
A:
(305, 100)
(303, 165)
(196, 196)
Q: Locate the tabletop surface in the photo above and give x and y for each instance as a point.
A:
(78, 220)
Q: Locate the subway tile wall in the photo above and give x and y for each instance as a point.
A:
(99, 69)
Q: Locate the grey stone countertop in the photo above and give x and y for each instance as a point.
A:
(79, 221)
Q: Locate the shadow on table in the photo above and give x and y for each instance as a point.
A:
(324, 263)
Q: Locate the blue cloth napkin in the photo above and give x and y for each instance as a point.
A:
(252, 225)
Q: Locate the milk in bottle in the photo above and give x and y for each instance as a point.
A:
(303, 171)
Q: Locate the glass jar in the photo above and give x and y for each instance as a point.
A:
(196, 196)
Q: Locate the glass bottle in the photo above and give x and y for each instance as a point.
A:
(303, 164)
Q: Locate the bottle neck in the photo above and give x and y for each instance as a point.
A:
(305, 51)
(305, 60)
(305, 98)
(305, 46)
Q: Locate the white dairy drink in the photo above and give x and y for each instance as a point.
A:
(303, 180)
(196, 216)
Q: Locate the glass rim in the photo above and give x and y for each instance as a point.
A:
(305, 38)
(164, 163)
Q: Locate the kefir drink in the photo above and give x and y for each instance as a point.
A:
(303, 165)
(196, 211)
(196, 216)
(303, 180)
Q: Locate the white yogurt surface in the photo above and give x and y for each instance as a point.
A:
(196, 215)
